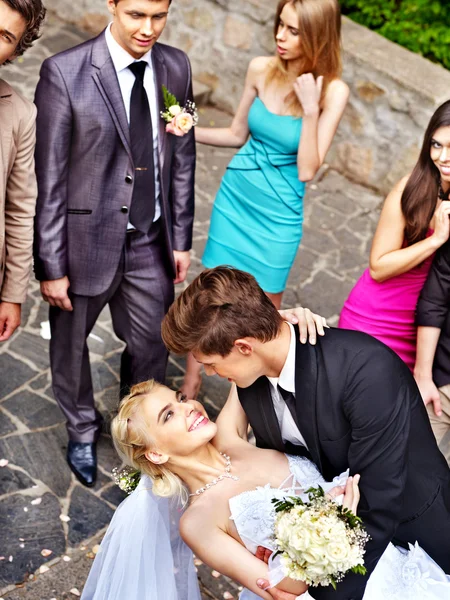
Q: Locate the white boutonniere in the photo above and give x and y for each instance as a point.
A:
(180, 119)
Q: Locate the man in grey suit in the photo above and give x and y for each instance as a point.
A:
(115, 206)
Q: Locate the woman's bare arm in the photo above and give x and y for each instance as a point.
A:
(236, 135)
(232, 419)
(388, 258)
(223, 553)
(318, 127)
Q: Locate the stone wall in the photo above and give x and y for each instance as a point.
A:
(393, 91)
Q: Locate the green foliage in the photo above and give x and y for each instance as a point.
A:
(169, 99)
(422, 26)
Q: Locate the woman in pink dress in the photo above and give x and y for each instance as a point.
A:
(414, 223)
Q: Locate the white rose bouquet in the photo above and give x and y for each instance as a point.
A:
(319, 541)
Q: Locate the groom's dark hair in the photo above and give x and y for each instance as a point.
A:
(219, 307)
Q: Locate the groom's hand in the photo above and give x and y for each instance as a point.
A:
(264, 554)
(309, 323)
(276, 594)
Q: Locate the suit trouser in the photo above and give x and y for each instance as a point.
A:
(139, 297)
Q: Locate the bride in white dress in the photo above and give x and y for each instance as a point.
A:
(228, 484)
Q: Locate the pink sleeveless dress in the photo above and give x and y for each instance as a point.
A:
(387, 310)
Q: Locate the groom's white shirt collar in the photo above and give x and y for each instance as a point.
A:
(120, 57)
(286, 380)
(289, 430)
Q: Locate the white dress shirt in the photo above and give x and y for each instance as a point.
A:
(289, 430)
(122, 60)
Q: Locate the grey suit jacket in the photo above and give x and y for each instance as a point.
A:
(84, 164)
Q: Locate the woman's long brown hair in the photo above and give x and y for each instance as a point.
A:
(421, 191)
(319, 26)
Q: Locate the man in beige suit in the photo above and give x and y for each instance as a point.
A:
(20, 21)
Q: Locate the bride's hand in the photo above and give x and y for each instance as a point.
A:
(350, 491)
(309, 323)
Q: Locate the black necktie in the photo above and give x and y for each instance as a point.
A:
(141, 135)
(289, 399)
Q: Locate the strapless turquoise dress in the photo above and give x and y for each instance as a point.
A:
(256, 222)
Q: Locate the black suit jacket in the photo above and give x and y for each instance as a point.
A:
(433, 310)
(85, 169)
(358, 406)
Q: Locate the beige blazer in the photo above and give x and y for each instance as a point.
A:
(18, 192)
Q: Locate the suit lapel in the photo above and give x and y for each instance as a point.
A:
(6, 127)
(306, 397)
(105, 77)
(161, 78)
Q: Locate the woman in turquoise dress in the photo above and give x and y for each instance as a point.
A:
(286, 120)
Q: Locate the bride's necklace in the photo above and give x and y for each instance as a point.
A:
(226, 475)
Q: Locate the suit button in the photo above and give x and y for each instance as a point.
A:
(124, 209)
(129, 179)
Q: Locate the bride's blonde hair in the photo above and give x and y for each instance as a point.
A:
(132, 440)
(319, 26)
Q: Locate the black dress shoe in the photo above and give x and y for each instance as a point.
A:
(82, 459)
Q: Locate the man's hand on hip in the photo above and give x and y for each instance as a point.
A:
(182, 264)
(55, 293)
(9, 319)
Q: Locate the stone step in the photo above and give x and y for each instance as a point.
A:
(202, 93)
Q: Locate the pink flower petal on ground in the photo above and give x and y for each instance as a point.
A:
(64, 518)
(46, 552)
(215, 574)
(3, 462)
(66, 558)
(75, 592)
(36, 501)
(44, 569)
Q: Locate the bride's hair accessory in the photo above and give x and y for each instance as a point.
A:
(127, 478)
(319, 541)
(226, 475)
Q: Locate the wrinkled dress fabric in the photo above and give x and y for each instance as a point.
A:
(257, 218)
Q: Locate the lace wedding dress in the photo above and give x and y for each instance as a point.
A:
(399, 575)
(142, 556)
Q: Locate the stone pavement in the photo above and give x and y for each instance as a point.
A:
(42, 506)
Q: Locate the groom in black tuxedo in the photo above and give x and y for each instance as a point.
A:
(347, 402)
